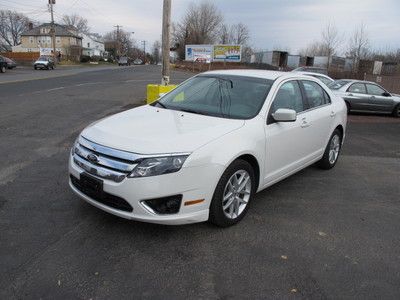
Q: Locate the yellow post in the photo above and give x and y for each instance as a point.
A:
(154, 91)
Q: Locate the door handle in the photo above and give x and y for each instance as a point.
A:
(333, 113)
(351, 95)
(304, 123)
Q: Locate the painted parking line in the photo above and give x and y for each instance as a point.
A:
(56, 89)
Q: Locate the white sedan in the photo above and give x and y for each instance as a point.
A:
(202, 151)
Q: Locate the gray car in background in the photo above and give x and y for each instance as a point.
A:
(365, 96)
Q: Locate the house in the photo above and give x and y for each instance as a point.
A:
(39, 39)
(91, 46)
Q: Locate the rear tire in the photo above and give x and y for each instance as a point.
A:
(3, 69)
(233, 194)
(396, 111)
(332, 151)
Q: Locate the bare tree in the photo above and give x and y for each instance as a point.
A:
(12, 25)
(330, 39)
(121, 42)
(225, 34)
(156, 51)
(314, 49)
(80, 23)
(358, 46)
(200, 25)
(240, 34)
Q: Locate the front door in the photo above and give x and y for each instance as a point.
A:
(285, 147)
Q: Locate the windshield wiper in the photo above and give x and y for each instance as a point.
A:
(192, 111)
(159, 103)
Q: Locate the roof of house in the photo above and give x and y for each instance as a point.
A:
(61, 30)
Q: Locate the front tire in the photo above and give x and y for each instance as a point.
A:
(232, 195)
(332, 151)
(396, 111)
(3, 69)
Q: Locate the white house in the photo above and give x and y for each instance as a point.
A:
(91, 46)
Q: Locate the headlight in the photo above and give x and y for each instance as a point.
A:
(74, 148)
(158, 166)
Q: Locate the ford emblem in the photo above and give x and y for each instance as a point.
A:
(92, 158)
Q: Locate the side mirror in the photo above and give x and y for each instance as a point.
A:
(284, 115)
(386, 94)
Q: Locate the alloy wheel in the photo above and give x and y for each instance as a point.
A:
(236, 194)
(334, 149)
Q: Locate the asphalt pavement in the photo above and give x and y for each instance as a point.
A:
(316, 235)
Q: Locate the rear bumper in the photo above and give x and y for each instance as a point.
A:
(193, 183)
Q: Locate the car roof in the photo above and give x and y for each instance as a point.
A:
(312, 74)
(356, 80)
(264, 74)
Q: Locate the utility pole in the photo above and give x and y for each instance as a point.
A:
(166, 31)
(144, 51)
(118, 50)
(53, 29)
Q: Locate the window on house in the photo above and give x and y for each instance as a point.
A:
(88, 45)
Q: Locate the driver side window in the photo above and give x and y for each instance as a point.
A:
(288, 96)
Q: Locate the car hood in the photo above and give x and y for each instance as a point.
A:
(152, 130)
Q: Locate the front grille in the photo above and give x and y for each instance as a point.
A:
(101, 196)
(104, 162)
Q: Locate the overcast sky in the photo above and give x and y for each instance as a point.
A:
(288, 24)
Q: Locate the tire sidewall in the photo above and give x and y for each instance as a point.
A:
(325, 163)
(396, 112)
(217, 215)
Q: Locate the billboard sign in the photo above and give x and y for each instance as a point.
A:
(230, 53)
(202, 53)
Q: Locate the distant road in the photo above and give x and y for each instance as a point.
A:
(24, 73)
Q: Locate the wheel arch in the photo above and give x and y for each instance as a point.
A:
(341, 129)
(252, 160)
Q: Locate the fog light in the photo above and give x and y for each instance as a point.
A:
(164, 206)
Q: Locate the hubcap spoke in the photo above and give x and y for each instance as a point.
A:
(236, 194)
(334, 149)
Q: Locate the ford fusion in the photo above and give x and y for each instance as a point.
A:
(202, 151)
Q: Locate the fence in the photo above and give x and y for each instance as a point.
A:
(22, 57)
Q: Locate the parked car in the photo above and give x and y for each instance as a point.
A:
(312, 70)
(3, 65)
(365, 96)
(10, 63)
(203, 150)
(324, 78)
(124, 61)
(44, 62)
(138, 61)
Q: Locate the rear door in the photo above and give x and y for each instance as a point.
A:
(357, 96)
(319, 115)
(378, 101)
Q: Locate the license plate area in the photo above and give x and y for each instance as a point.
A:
(91, 184)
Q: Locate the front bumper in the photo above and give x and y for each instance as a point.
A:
(192, 182)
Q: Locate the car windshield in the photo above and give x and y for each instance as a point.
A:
(235, 97)
(43, 58)
(337, 84)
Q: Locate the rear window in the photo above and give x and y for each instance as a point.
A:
(338, 84)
